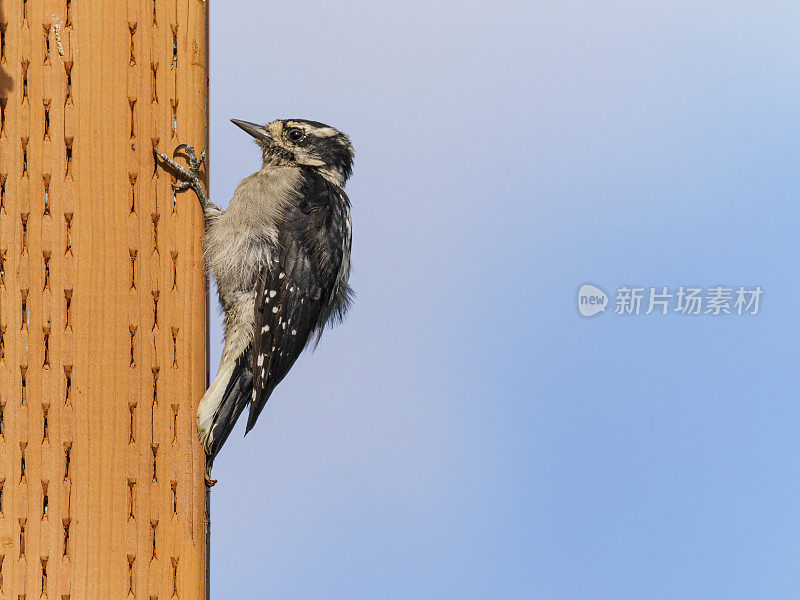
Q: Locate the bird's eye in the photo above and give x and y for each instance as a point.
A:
(295, 134)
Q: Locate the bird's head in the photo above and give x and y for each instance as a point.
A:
(299, 142)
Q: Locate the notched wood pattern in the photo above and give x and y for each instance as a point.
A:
(102, 332)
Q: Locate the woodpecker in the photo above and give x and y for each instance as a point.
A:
(280, 254)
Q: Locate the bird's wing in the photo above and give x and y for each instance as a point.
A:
(294, 292)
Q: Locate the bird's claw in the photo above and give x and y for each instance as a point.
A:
(195, 162)
(190, 178)
(189, 150)
(207, 471)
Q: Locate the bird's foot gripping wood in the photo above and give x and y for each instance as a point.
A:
(190, 178)
(207, 472)
(209, 482)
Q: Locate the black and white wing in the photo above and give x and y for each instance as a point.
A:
(302, 287)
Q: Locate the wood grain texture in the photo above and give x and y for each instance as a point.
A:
(102, 301)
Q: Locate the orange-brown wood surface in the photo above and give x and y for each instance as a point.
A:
(102, 301)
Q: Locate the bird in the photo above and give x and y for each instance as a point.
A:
(280, 255)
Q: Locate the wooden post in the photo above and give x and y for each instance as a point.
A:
(102, 301)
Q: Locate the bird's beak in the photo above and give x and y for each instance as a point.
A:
(257, 131)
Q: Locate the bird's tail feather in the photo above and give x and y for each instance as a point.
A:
(222, 404)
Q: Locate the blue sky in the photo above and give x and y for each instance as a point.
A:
(466, 433)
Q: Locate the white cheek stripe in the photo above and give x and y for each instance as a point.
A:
(325, 132)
